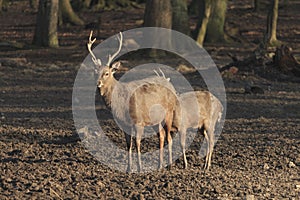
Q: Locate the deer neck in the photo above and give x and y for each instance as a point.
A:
(107, 90)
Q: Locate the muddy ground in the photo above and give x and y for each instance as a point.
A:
(42, 157)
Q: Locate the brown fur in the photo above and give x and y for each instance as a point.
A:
(209, 110)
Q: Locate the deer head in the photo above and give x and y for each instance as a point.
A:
(106, 80)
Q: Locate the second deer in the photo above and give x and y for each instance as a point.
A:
(202, 110)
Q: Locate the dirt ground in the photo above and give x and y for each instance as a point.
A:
(42, 157)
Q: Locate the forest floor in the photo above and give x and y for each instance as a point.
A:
(41, 156)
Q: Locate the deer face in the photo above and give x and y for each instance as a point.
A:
(107, 75)
(106, 80)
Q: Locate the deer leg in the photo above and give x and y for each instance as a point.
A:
(211, 146)
(129, 147)
(182, 143)
(139, 133)
(161, 146)
(169, 139)
(207, 148)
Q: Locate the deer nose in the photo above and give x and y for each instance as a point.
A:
(100, 84)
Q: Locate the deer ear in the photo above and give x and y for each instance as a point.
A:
(115, 66)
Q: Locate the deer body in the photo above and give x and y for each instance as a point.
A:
(200, 110)
(137, 104)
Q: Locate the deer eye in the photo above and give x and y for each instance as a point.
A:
(106, 74)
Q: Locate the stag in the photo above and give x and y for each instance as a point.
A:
(136, 104)
(202, 110)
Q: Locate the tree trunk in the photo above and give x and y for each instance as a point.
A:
(86, 3)
(193, 8)
(46, 25)
(1, 5)
(180, 18)
(205, 12)
(34, 4)
(257, 5)
(67, 13)
(215, 26)
(272, 24)
(158, 13)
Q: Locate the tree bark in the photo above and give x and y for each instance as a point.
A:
(46, 27)
(205, 12)
(215, 26)
(180, 18)
(272, 24)
(193, 7)
(158, 13)
(1, 5)
(34, 4)
(67, 13)
(257, 5)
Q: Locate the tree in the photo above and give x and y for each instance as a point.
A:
(215, 26)
(257, 5)
(67, 14)
(211, 21)
(1, 5)
(34, 4)
(180, 18)
(46, 27)
(158, 13)
(270, 36)
(204, 15)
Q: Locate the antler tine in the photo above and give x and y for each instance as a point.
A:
(157, 74)
(96, 61)
(162, 73)
(110, 58)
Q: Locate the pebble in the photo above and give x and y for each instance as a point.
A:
(249, 197)
(291, 164)
(99, 183)
(266, 166)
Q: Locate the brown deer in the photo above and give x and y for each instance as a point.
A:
(208, 111)
(137, 104)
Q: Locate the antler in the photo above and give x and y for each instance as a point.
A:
(96, 61)
(110, 58)
(162, 73)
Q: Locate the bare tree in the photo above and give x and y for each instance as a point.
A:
(67, 13)
(204, 15)
(215, 26)
(180, 18)
(158, 14)
(1, 5)
(34, 4)
(46, 24)
(211, 20)
(257, 5)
